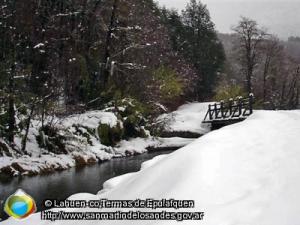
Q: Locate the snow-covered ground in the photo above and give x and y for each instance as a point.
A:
(188, 118)
(140, 145)
(246, 173)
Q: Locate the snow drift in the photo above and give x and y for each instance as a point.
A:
(187, 118)
(247, 173)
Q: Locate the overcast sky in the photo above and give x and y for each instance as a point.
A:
(281, 17)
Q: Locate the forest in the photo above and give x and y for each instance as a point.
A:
(132, 58)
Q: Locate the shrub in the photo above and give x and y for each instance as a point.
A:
(50, 139)
(110, 136)
(133, 126)
(85, 132)
(4, 149)
(133, 114)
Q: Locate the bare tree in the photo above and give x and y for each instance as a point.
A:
(250, 39)
(270, 50)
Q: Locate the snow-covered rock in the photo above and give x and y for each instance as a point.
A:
(32, 166)
(90, 119)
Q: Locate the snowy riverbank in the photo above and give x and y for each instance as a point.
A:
(247, 173)
(81, 137)
(26, 165)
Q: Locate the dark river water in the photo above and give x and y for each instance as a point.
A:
(61, 185)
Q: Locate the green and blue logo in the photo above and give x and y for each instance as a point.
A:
(20, 205)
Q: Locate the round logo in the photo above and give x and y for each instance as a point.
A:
(20, 205)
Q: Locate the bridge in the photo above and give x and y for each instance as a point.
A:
(229, 112)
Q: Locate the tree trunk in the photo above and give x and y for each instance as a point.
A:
(11, 106)
(265, 73)
(108, 43)
(24, 140)
(249, 66)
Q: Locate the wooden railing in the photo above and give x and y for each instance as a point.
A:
(232, 109)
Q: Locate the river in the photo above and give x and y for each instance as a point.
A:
(61, 185)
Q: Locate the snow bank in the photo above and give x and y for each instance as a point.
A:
(26, 165)
(188, 118)
(141, 145)
(247, 173)
(243, 174)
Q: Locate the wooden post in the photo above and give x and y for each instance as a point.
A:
(222, 109)
(209, 112)
(230, 106)
(240, 106)
(216, 111)
(251, 103)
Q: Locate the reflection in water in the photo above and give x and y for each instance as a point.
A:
(61, 185)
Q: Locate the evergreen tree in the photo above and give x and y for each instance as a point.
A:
(177, 30)
(193, 35)
(203, 47)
